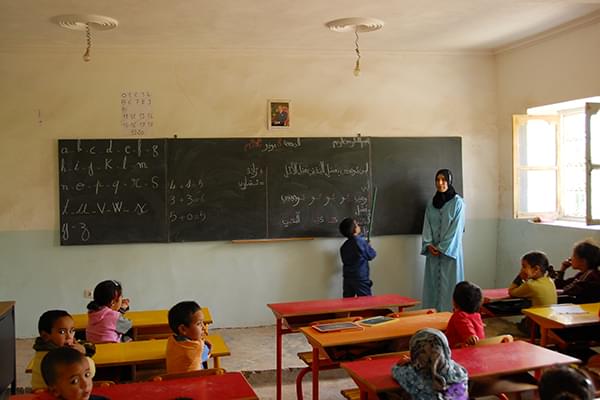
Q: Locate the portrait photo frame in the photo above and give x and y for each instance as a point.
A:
(278, 114)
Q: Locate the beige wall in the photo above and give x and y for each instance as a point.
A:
(51, 95)
(562, 68)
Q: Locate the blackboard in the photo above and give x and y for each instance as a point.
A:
(178, 190)
(404, 170)
(112, 191)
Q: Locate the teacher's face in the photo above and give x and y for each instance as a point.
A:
(441, 184)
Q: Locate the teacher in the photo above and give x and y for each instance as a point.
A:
(442, 244)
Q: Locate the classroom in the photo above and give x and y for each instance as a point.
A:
(211, 68)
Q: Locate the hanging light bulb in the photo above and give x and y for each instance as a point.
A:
(357, 65)
(88, 35)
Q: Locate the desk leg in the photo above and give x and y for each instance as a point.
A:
(315, 373)
(278, 334)
(543, 336)
(217, 362)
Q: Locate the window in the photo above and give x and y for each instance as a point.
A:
(556, 162)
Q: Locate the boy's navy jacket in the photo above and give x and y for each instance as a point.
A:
(356, 254)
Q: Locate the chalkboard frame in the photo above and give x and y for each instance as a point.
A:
(402, 168)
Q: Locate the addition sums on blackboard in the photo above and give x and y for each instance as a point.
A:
(178, 190)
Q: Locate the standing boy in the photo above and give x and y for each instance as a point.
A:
(356, 253)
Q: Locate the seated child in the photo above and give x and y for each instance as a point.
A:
(431, 374)
(565, 382)
(532, 281)
(356, 253)
(56, 329)
(584, 287)
(465, 326)
(68, 375)
(106, 323)
(534, 284)
(188, 348)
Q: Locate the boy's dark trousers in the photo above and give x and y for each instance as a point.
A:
(355, 287)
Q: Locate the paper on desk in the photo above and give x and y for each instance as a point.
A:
(568, 309)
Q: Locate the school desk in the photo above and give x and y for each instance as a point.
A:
(290, 316)
(228, 386)
(403, 328)
(560, 316)
(375, 376)
(144, 352)
(152, 323)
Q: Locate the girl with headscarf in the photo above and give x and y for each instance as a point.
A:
(431, 373)
(443, 229)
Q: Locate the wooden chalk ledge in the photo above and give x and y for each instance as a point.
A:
(270, 240)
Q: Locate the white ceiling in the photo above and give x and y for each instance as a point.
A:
(410, 25)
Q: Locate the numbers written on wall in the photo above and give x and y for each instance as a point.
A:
(137, 117)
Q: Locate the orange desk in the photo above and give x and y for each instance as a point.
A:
(145, 323)
(560, 316)
(375, 376)
(144, 352)
(402, 328)
(313, 310)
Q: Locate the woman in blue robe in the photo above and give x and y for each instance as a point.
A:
(443, 229)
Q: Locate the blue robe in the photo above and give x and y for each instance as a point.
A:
(443, 228)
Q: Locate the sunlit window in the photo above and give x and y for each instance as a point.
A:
(557, 161)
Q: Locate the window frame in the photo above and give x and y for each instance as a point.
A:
(521, 120)
(519, 123)
(590, 109)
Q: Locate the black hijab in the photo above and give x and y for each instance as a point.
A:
(441, 198)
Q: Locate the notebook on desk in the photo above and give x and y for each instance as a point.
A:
(336, 326)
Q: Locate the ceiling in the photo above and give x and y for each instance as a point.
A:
(410, 25)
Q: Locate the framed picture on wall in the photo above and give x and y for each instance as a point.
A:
(278, 114)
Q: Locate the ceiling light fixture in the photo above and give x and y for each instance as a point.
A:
(356, 25)
(83, 22)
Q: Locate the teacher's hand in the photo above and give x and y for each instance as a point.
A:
(433, 251)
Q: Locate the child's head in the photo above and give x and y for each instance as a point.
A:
(562, 383)
(67, 373)
(186, 319)
(348, 227)
(430, 356)
(586, 255)
(107, 294)
(57, 327)
(467, 297)
(535, 264)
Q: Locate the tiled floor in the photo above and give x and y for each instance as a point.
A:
(253, 351)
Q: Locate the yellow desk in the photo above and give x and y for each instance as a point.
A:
(560, 316)
(144, 352)
(403, 328)
(146, 324)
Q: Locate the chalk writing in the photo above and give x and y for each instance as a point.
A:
(350, 143)
(323, 168)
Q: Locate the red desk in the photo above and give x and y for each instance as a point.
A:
(375, 376)
(495, 294)
(285, 313)
(229, 386)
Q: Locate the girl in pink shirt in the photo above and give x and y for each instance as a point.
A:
(106, 323)
(465, 327)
